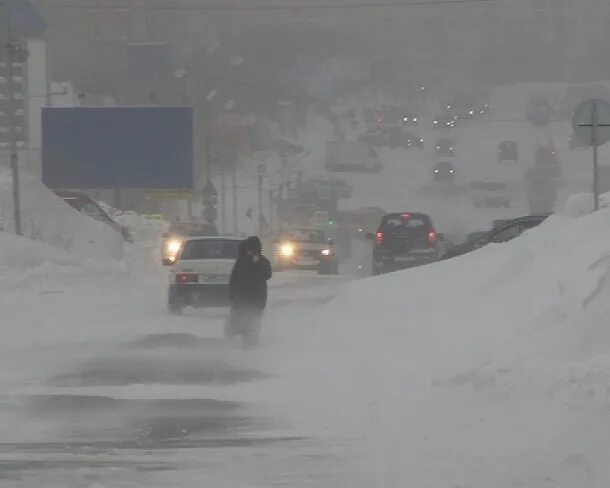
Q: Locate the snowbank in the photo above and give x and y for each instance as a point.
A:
(485, 370)
(47, 218)
(25, 261)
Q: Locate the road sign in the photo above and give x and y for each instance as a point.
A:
(591, 122)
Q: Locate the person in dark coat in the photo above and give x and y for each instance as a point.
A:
(248, 290)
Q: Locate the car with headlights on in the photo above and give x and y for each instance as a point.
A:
(445, 147)
(443, 171)
(178, 232)
(201, 272)
(306, 249)
(444, 121)
(411, 118)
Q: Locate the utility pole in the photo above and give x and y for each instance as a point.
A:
(13, 156)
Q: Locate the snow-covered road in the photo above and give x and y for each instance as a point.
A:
(100, 387)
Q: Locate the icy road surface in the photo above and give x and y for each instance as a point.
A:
(101, 388)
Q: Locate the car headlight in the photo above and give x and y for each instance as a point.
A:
(326, 252)
(438, 148)
(471, 112)
(451, 149)
(415, 119)
(173, 246)
(287, 250)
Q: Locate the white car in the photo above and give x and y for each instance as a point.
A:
(200, 275)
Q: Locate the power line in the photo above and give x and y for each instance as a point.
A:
(274, 7)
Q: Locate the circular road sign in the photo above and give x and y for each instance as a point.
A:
(583, 122)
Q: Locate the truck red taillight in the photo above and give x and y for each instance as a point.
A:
(187, 278)
(432, 238)
(379, 237)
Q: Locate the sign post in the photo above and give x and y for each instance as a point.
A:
(591, 124)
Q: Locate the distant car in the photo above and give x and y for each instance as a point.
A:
(413, 140)
(411, 119)
(404, 240)
(445, 147)
(503, 233)
(200, 276)
(546, 155)
(490, 194)
(307, 249)
(444, 121)
(508, 152)
(86, 205)
(443, 171)
(574, 143)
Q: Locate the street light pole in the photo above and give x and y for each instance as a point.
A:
(13, 156)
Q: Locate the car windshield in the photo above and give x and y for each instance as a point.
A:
(406, 226)
(306, 236)
(210, 249)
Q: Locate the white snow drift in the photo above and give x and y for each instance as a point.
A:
(46, 218)
(486, 370)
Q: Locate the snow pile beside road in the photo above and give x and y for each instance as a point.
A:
(27, 261)
(485, 370)
(47, 218)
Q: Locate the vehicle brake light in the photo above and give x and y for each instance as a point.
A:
(187, 278)
(405, 215)
(432, 238)
(379, 237)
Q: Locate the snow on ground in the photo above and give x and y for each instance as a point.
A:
(486, 370)
(46, 218)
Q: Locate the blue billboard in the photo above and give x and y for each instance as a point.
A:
(117, 147)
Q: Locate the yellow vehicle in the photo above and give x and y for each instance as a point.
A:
(178, 232)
